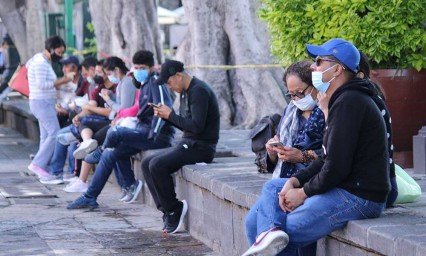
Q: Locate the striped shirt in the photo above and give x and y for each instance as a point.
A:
(40, 78)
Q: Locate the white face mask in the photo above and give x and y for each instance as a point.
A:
(317, 80)
(306, 103)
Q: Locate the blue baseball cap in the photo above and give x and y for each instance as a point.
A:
(341, 49)
(72, 59)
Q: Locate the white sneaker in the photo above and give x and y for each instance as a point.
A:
(52, 179)
(85, 148)
(268, 243)
(77, 186)
(69, 177)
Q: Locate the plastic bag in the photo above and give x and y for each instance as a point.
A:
(408, 189)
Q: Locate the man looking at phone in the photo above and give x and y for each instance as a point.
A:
(199, 119)
(151, 132)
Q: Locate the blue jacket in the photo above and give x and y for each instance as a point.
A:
(151, 93)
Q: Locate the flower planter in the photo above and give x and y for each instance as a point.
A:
(405, 92)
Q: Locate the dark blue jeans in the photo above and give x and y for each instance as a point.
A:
(124, 142)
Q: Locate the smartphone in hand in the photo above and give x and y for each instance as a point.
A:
(277, 144)
(153, 105)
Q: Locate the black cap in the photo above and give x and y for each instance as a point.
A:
(70, 60)
(169, 68)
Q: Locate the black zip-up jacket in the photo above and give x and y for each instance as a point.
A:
(355, 147)
(151, 93)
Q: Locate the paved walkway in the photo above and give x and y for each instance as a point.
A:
(34, 220)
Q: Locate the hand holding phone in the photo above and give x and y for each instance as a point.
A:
(153, 105)
(277, 144)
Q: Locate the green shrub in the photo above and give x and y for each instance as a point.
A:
(390, 32)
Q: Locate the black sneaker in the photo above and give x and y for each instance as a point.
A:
(174, 219)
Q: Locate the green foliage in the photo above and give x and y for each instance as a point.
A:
(90, 48)
(390, 32)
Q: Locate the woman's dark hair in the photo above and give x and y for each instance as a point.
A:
(114, 62)
(89, 62)
(54, 42)
(143, 58)
(364, 67)
(301, 69)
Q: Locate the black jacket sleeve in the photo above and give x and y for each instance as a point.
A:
(199, 102)
(340, 144)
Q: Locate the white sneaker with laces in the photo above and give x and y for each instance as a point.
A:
(77, 186)
(268, 243)
(68, 177)
(52, 179)
(85, 148)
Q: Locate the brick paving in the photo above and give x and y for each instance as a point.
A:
(34, 220)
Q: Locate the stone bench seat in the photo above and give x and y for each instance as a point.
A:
(220, 194)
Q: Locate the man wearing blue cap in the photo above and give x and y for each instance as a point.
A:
(349, 182)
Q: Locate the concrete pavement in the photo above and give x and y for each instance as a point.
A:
(34, 219)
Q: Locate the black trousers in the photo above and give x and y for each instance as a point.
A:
(158, 166)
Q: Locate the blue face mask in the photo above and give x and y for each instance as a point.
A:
(113, 79)
(90, 80)
(140, 75)
(317, 80)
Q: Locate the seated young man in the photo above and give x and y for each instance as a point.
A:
(349, 182)
(199, 120)
(151, 132)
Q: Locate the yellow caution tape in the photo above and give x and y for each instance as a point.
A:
(234, 66)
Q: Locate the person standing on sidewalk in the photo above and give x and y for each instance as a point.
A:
(350, 181)
(199, 119)
(43, 85)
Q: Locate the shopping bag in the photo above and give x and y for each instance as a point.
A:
(408, 189)
(19, 80)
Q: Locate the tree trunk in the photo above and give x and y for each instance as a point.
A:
(24, 23)
(35, 26)
(14, 22)
(124, 27)
(228, 32)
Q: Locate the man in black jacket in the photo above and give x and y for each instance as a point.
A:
(349, 182)
(199, 119)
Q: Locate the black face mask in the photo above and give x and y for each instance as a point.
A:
(55, 57)
(136, 83)
(98, 79)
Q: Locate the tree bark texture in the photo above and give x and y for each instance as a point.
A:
(24, 22)
(14, 21)
(228, 32)
(124, 27)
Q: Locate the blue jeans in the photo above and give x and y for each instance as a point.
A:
(44, 111)
(57, 162)
(125, 143)
(317, 217)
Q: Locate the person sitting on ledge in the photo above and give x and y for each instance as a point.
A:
(350, 181)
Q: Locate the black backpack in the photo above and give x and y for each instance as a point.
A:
(259, 135)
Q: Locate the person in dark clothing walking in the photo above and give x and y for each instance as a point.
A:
(349, 182)
(199, 119)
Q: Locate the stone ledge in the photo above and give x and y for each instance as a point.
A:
(16, 114)
(236, 183)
